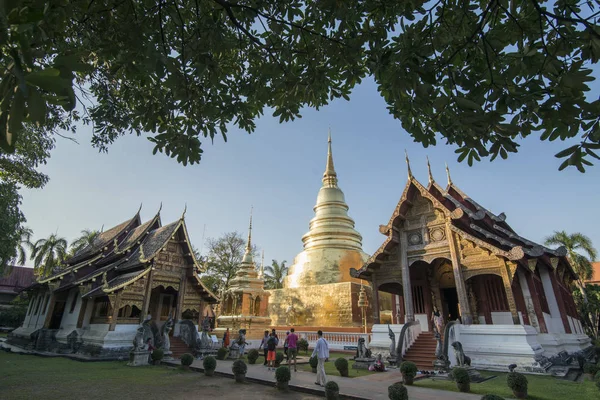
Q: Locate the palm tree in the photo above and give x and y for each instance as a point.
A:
(576, 244)
(24, 243)
(275, 273)
(86, 239)
(48, 254)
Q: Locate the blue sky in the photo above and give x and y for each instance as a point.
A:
(278, 170)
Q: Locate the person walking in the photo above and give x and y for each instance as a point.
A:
(263, 345)
(292, 341)
(322, 352)
(271, 347)
(285, 346)
(226, 338)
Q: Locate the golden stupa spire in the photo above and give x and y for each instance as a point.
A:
(261, 274)
(410, 175)
(448, 173)
(249, 244)
(329, 176)
(429, 171)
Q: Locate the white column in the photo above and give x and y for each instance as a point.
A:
(406, 284)
(461, 290)
(528, 302)
(557, 325)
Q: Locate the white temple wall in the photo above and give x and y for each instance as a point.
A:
(528, 301)
(30, 310)
(554, 343)
(502, 318)
(69, 319)
(423, 321)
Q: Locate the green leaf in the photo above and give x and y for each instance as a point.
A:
(36, 106)
(567, 151)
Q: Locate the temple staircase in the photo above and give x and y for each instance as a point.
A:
(422, 351)
(178, 347)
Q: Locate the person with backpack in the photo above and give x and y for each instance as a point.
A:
(271, 351)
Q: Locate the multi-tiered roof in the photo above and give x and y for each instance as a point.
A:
(123, 254)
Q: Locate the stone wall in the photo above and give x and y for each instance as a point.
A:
(330, 305)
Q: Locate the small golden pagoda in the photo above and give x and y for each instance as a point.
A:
(244, 304)
(319, 291)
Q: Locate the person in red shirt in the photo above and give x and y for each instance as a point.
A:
(292, 342)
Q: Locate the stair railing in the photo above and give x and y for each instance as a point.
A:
(448, 337)
(408, 335)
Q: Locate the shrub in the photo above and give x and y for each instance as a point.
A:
(597, 379)
(332, 390)
(302, 345)
(209, 363)
(282, 374)
(187, 359)
(517, 382)
(278, 358)
(397, 391)
(460, 375)
(239, 367)
(221, 353)
(492, 397)
(313, 361)
(157, 355)
(408, 369)
(341, 364)
(252, 356)
(590, 368)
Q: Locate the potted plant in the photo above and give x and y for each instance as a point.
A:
(492, 397)
(239, 369)
(209, 364)
(332, 391)
(186, 360)
(462, 379)
(221, 353)
(397, 391)
(313, 361)
(157, 355)
(278, 359)
(283, 376)
(252, 356)
(341, 364)
(517, 382)
(409, 371)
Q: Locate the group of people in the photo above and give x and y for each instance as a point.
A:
(269, 345)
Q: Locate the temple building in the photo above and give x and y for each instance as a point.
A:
(244, 303)
(133, 272)
(319, 292)
(444, 252)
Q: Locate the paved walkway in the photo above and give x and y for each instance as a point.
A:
(373, 386)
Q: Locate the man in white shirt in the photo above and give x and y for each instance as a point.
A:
(322, 352)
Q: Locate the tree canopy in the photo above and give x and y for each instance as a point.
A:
(479, 74)
(11, 223)
(274, 274)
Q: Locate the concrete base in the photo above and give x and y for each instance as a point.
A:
(362, 363)
(138, 358)
(380, 339)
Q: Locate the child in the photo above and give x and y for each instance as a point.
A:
(271, 350)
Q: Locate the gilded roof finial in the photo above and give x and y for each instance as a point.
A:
(448, 173)
(410, 175)
(159, 208)
(429, 171)
(142, 256)
(184, 211)
(139, 209)
(104, 281)
(329, 177)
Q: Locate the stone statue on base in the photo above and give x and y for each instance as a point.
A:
(361, 350)
(165, 330)
(441, 362)
(204, 343)
(138, 341)
(139, 355)
(461, 358)
(393, 344)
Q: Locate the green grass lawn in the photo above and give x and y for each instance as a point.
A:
(539, 388)
(29, 377)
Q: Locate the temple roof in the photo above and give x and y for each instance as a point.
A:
(127, 254)
(17, 279)
(468, 219)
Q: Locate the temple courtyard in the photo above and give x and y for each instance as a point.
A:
(59, 378)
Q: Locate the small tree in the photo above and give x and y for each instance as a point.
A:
(341, 364)
(397, 391)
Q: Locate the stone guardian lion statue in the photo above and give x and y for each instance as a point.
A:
(461, 358)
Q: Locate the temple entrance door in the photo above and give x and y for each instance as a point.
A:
(57, 314)
(166, 306)
(450, 304)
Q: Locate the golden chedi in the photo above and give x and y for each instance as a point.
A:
(319, 291)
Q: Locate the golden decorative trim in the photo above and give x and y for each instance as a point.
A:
(130, 281)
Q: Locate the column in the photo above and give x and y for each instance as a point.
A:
(550, 297)
(376, 319)
(180, 296)
(147, 296)
(82, 310)
(116, 304)
(537, 307)
(561, 302)
(406, 283)
(461, 289)
(50, 308)
(512, 305)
